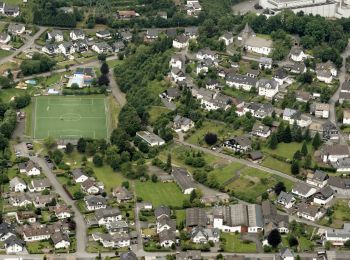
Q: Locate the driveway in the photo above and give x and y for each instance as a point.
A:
(81, 235)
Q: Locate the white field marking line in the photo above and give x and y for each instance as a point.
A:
(106, 117)
(36, 104)
(59, 117)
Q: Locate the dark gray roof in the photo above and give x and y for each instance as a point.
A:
(14, 240)
(167, 235)
(162, 211)
(182, 178)
(301, 187)
(242, 140)
(196, 217)
(267, 83)
(77, 173)
(335, 149)
(189, 255)
(241, 79)
(130, 255)
(320, 176)
(92, 200)
(58, 237)
(338, 182)
(255, 155)
(173, 92)
(324, 193)
(285, 197)
(105, 213)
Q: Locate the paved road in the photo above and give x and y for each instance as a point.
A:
(334, 99)
(117, 93)
(245, 162)
(81, 235)
(27, 45)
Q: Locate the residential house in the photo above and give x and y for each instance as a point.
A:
(252, 73)
(324, 76)
(118, 46)
(79, 176)
(227, 38)
(5, 38)
(107, 215)
(129, 255)
(30, 168)
(327, 130)
(297, 54)
(177, 61)
(17, 185)
(191, 32)
(256, 156)
(112, 241)
(150, 138)
(295, 67)
(273, 220)
(152, 34)
(105, 34)
(211, 100)
(167, 238)
(196, 217)
(67, 48)
(36, 233)
(240, 81)
(10, 10)
(342, 165)
(328, 66)
(177, 75)
(346, 117)
(126, 36)
(258, 110)
(89, 186)
(258, 45)
(336, 236)
(126, 14)
(51, 49)
(261, 130)
(286, 199)
(206, 53)
(303, 96)
(93, 202)
(344, 91)
(286, 254)
(117, 227)
(318, 179)
(303, 190)
(61, 211)
(240, 144)
(280, 76)
(212, 84)
(14, 245)
(81, 46)
(183, 124)
(55, 35)
(320, 110)
(309, 212)
(181, 41)
(172, 93)
(101, 47)
(38, 185)
(183, 179)
(6, 230)
(165, 223)
(292, 115)
(189, 255)
(324, 195)
(267, 88)
(21, 200)
(193, 7)
(200, 235)
(77, 34)
(340, 185)
(16, 29)
(246, 33)
(60, 240)
(122, 194)
(162, 211)
(332, 153)
(239, 218)
(41, 201)
(265, 63)
(26, 217)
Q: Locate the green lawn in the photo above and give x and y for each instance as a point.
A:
(286, 150)
(252, 183)
(37, 247)
(234, 244)
(109, 178)
(225, 173)
(155, 112)
(70, 117)
(71, 188)
(180, 216)
(4, 53)
(160, 193)
(341, 214)
(277, 165)
(222, 131)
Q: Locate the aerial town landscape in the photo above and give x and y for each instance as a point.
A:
(175, 129)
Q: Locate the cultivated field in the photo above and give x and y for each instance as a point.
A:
(70, 117)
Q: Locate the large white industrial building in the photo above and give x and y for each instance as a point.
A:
(325, 8)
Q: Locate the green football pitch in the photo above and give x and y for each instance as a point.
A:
(70, 117)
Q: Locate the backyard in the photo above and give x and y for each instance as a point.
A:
(232, 243)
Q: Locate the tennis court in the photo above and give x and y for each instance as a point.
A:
(70, 117)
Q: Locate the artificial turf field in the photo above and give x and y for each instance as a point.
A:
(70, 117)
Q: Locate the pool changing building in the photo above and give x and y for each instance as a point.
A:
(325, 8)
